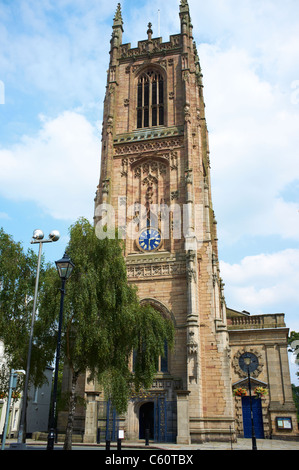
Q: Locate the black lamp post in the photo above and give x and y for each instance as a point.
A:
(64, 267)
(247, 361)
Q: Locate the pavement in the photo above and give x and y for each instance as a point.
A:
(241, 444)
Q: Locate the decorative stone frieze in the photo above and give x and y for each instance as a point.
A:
(156, 270)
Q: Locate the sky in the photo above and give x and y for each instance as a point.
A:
(53, 60)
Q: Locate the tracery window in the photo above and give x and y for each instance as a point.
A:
(150, 100)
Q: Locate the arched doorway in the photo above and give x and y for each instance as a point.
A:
(146, 420)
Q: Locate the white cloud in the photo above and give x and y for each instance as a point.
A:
(254, 144)
(57, 49)
(248, 52)
(57, 168)
(265, 283)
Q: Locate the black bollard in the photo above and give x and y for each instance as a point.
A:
(107, 445)
(118, 444)
(147, 437)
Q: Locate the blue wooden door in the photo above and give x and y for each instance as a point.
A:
(257, 417)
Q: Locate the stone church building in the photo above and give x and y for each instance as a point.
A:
(155, 174)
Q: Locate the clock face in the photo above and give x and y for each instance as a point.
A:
(149, 239)
(253, 365)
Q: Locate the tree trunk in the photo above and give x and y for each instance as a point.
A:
(70, 421)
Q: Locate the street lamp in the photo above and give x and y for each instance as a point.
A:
(38, 237)
(249, 364)
(64, 267)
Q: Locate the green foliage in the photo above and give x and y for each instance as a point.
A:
(4, 383)
(294, 336)
(103, 320)
(17, 283)
(151, 330)
(295, 391)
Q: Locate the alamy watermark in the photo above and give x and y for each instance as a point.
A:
(174, 221)
(2, 92)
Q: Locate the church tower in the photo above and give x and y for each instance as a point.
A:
(155, 187)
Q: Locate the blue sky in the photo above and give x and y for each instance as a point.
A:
(53, 62)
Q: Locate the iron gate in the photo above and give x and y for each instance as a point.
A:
(162, 418)
(165, 420)
(108, 422)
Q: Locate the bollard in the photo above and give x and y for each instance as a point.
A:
(147, 437)
(118, 444)
(107, 445)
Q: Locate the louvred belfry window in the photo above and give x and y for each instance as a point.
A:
(150, 100)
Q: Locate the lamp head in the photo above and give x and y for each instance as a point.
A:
(54, 235)
(64, 267)
(247, 360)
(38, 234)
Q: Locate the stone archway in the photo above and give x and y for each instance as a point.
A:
(160, 306)
(146, 420)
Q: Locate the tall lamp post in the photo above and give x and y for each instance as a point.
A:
(249, 363)
(38, 237)
(64, 267)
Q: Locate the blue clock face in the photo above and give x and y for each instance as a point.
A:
(149, 239)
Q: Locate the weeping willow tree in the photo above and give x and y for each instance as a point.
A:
(103, 321)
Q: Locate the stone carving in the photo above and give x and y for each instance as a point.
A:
(146, 167)
(188, 176)
(192, 350)
(105, 186)
(150, 167)
(109, 125)
(191, 274)
(184, 3)
(149, 180)
(118, 16)
(156, 270)
(124, 167)
(191, 345)
(158, 46)
(149, 146)
(112, 73)
(173, 160)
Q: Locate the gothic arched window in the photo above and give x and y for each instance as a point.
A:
(162, 364)
(150, 100)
